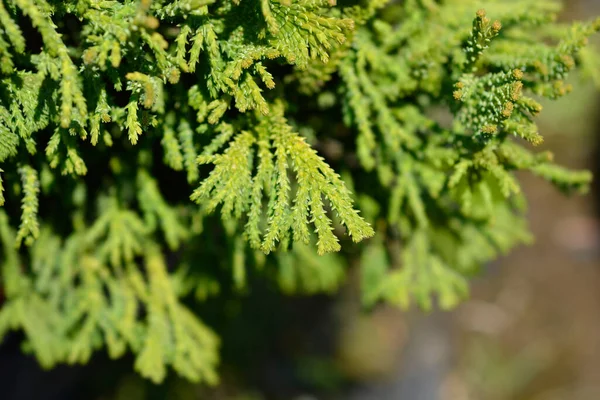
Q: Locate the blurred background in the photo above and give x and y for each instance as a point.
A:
(530, 330)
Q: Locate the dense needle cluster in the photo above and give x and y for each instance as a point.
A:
(125, 125)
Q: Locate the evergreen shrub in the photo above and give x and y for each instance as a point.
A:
(156, 153)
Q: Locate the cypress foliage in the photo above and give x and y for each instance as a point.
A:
(124, 125)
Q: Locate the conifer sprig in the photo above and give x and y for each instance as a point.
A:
(411, 153)
(29, 229)
(279, 150)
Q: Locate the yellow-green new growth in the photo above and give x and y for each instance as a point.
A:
(280, 150)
